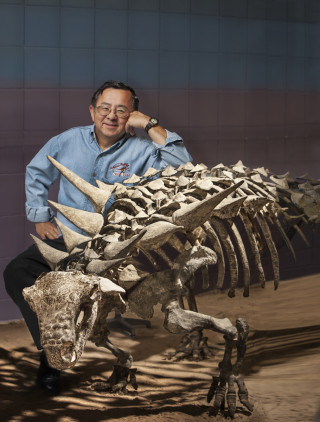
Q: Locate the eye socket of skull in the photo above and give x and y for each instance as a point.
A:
(84, 314)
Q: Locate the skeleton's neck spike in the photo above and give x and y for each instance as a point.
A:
(70, 237)
(89, 222)
(51, 255)
(96, 196)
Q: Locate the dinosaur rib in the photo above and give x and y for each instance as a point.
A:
(285, 237)
(254, 247)
(259, 189)
(176, 243)
(243, 255)
(302, 235)
(205, 277)
(164, 256)
(216, 246)
(271, 246)
(233, 262)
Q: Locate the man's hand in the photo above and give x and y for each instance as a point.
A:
(47, 230)
(139, 120)
(136, 120)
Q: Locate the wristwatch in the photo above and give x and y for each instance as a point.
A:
(153, 121)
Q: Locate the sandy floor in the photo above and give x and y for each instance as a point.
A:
(282, 368)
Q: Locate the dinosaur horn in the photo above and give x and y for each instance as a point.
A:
(70, 237)
(195, 214)
(107, 286)
(96, 196)
(157, 234)
(106, 187)
(98, 266)
(51, 255)
(116, 250)
(89, 222)
(229, 207)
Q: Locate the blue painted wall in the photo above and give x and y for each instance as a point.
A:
(238, 79)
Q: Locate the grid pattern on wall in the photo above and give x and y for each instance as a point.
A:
(238, 79)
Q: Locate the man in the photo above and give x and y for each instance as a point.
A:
(108, 151)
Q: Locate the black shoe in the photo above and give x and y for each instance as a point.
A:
(48, 378)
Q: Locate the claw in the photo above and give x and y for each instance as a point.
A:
(219, 401)
(133, 380)
(213, 388)
(231, 397)
(118, 380)
(205, 348)
(243, 394)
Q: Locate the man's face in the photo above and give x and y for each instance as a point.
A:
(111, 128)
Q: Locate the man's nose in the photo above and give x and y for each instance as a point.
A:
(112, 115)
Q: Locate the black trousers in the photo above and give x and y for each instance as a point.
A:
(22, 272)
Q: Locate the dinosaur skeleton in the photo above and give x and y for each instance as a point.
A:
(162, 228)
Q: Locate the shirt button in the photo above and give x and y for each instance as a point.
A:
(94, 174)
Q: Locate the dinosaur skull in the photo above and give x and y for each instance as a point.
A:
(66, 304)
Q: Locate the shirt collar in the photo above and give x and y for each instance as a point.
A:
(116, 145)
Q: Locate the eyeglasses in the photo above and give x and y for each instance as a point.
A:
(105, 110)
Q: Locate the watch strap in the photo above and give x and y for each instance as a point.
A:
(153, 121)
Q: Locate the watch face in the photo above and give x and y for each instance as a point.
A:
(153, 121)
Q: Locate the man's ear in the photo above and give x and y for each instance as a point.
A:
(91, 109)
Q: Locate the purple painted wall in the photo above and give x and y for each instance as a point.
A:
(238, 79)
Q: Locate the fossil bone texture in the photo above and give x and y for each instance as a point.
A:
(162, 228)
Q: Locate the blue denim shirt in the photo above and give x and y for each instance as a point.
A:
(79, 151)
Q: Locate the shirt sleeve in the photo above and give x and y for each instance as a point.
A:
(173, 152)
(40, 175)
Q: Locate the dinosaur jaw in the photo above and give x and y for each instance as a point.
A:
(61, 356)
(65, 354)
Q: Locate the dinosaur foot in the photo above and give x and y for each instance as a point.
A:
(192, 346)
(223, 387)
(223, 390)
(120, 378)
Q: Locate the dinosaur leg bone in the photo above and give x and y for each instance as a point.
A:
(178, 320)
(122, 374)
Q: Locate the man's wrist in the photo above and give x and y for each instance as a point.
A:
(153, 122)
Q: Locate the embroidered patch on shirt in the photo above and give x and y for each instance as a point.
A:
(120, 169)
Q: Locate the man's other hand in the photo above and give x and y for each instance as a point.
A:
(47, 230)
